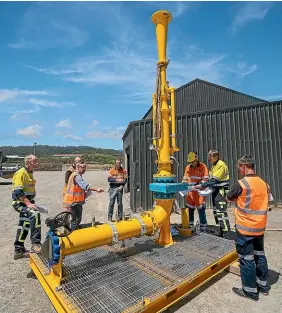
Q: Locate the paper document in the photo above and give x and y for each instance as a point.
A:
(183, 193)
(42, 209)
(90, 193)
(270, 197)
(205, 192)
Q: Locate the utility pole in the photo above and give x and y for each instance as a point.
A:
(34, 148)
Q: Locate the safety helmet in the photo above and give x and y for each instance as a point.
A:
(192, 156)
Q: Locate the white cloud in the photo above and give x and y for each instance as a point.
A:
(30, 131)
(243, 69)
(7, 94)
(48, 25)
(64, 124)
(107, 133)
(73, 137)
(127, 63)
(19, 114)
(176, 8)
(68, 135)
(248, 12)
(272, 98)
(52, 104)
(94, 123)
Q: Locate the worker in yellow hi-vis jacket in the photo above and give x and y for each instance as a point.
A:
(219, 182)
(23, 194)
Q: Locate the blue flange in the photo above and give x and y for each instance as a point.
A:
(160, 195)
(55, 248)
(168, 187)
(164, 179)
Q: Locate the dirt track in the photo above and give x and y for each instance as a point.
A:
(19, 294)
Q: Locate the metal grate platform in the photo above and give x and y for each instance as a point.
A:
(112, 279)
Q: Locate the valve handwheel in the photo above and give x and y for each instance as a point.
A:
(65, 220)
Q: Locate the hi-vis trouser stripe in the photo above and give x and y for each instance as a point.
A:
(249, 289)
(222, 216)
(249, 257)
(24, 229)
(215, 215)
(261, 282)
(35, 214)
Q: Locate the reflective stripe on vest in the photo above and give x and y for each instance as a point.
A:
(22, 179)
(193, 175)
(73, 193)
(251, 206)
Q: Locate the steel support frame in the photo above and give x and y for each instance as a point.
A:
(50, 286)
(173, 295)
(159, 304)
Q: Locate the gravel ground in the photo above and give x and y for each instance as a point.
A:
(20, 294)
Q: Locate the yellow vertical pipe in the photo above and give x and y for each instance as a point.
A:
(185, 217)
(165, 237)
(161, 20)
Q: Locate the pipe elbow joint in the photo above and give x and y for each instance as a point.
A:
(160, 215)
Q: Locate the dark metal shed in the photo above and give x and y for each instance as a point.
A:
(250, 129)
(200, 95)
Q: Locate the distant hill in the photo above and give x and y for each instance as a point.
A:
(45, 150)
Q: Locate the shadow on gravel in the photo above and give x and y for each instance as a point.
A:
(195, 293)
(273, 277)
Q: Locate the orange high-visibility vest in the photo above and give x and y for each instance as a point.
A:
(71, 169)
(251, 206)
(74, 193)
(194, 175)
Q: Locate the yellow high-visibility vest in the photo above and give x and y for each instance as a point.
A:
(23, 179)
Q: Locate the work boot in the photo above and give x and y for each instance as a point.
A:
(264, 293)
(36, 248)
(203, 228)
(20, 254)
(240, 292)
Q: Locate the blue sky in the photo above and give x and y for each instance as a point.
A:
(76, 73)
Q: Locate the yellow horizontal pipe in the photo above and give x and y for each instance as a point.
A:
(92, 237)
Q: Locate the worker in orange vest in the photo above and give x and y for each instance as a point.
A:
(117, 178)
(251, 196)
(69, 171)
(195, 173)
(75, 194)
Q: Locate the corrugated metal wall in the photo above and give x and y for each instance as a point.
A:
(255, 130)
(199, 96)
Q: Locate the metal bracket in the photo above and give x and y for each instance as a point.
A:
(114, 231)
(143, 226)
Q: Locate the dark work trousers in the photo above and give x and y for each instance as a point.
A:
(202, 215)
(29, 219)
(115, 193)
(253, 263)
(220, 210)
(76, 210)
